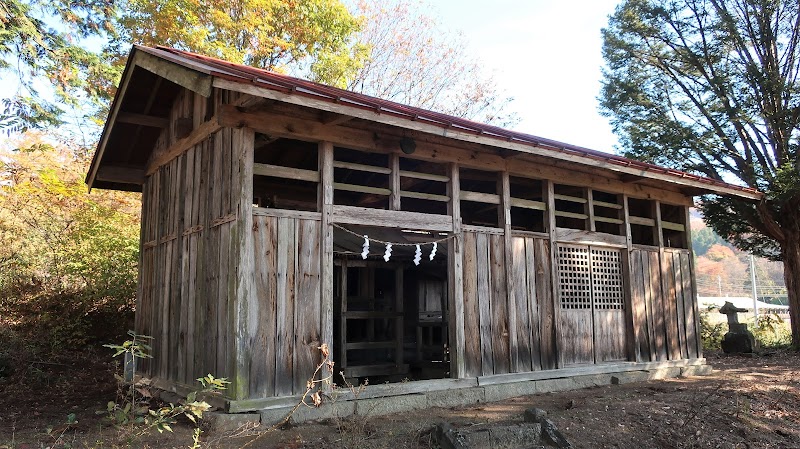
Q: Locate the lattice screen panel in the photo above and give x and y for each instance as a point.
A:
(574, 277)
(589, 274)
(606, 278)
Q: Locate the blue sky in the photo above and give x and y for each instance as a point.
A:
(547, 55)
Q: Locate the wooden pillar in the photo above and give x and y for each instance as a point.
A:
(658, 236)
(589, 211)
(398, 321)
(325, 206)
(394, 165)
(688, 237)
(551, 232)
(246, 309)
(455, 278)
(342, 356)
(504, 185)
(634, 317)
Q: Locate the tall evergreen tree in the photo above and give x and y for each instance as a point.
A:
(42, 51)
(711, 87)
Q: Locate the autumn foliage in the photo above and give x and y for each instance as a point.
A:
(68, 259)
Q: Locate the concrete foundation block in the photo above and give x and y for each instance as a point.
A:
(456, 397)
(389, 405)
(592, 380)
(229, 422)
(630, 377)
(554, 385)
(510, 390)
(697, 370)
(664, 373)
(270, 417)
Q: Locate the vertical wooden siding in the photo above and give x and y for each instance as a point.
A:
(534, 303)
(661, 287)
(490, 350)
(287, 267)
(191, 215)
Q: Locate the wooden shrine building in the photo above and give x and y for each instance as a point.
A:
(258, 190)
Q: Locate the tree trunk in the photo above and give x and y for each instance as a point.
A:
(791, 274)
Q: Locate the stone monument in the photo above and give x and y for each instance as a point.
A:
(738, 340)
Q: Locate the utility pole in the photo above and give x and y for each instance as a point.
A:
(753, 285)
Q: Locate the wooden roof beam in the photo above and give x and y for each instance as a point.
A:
(332, 118)
(629, 178)
(120, 174)
(199, 134)
(178, 74)
(142, 119)
(695, 191)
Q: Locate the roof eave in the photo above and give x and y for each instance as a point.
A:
(111, 119)
(191, 78)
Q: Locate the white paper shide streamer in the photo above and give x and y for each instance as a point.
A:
(433, 251)
(388, 252)
(417, 255)
(365, 248)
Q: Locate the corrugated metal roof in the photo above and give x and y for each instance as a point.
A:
(294, 86)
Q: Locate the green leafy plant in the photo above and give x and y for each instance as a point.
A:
(711, 333)
(772, 331)
(135, 410)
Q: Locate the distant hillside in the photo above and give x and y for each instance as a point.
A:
(723, 270)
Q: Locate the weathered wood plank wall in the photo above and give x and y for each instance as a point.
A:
(287, 267)
(191, 215)
(662, 288)
(489, 350)
(534, 302)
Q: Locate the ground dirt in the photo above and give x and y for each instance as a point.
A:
(745, 403)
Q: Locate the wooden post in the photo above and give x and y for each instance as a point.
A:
(342, 357)
(325, 199)
(394, 165)
(455, 277)
(246, 309)
(658, 236)
(551, 231)
(633, 314)
(505, 221)
(589, 211)
(398, 321)
(688, 236)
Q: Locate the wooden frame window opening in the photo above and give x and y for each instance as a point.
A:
(607, 213)
(673, 226)
(285, 174)
(571, 207)
(641, 215)
(361, 179)
(527, 204)
(422, 186)
(480, 198)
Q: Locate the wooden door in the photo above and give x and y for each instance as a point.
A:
(590, 293)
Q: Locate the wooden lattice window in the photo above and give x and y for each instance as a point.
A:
(589, 277)
(574, 274)
(606, 278)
